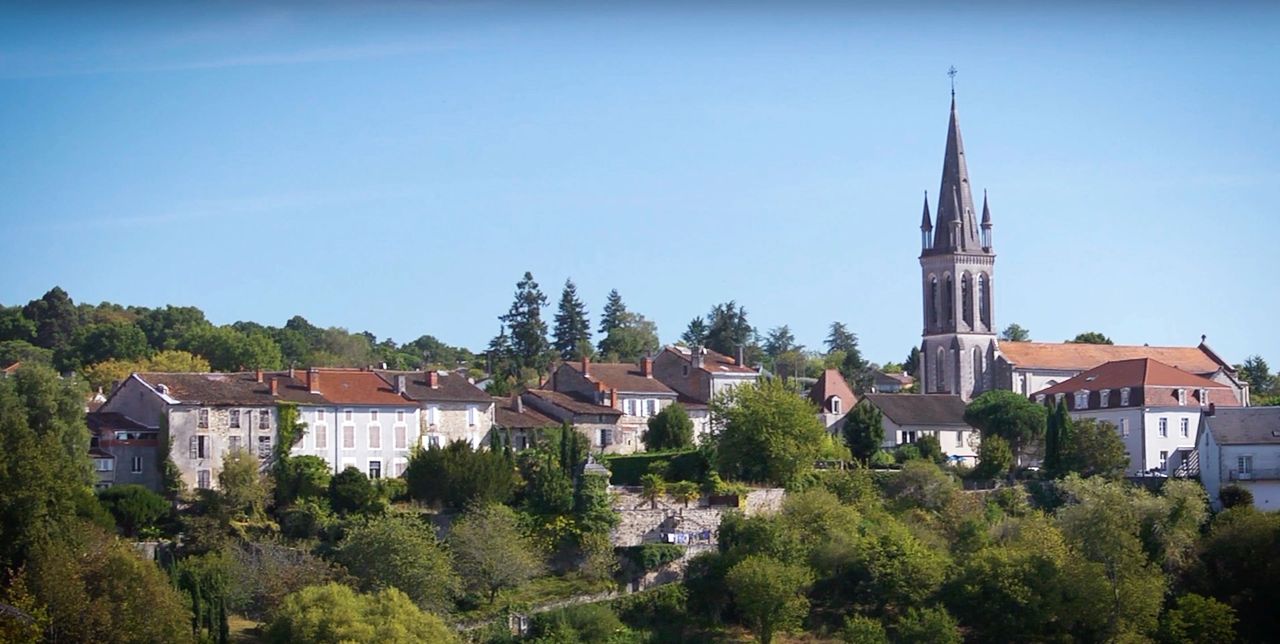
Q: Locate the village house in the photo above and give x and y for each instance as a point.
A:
(520, 425)
(890, 383)
(1154, 406)
(833, 398)
(628, 388)
(1241, 446)
(452, 408)
(124, 450)
(698, 374)
(907, 418)
(599, 423)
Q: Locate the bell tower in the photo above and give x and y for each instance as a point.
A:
(957, 269)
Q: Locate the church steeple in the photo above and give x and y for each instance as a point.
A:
(959, 207)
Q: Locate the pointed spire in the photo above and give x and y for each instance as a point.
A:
(986, 211)
(959, 208)
(926, 222)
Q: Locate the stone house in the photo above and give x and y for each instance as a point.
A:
(627, 388)
(697, 375)
(599, 423)
(907, 418)
(124, 450)
(890, 383)
(452, 407)
(520, 425)
(1241, 446)
(1155, 407)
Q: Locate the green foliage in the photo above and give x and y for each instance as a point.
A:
(134, 507)
(55, 319)
(921, 484)
(770, 434)
(491, 552)
(206, 581)
(994, 458)
(663, 610)
(263, 574)
(882, 459)
(335, 614)
(1008, 415)
(586, 623)
(934, 625)
(1239, 564)
(1090, 337)
(931, 449)
(769, 595)
(457, 475)
(1257, 373)
(1235, 496)
(307, 519)
(1198, 620)
(1057, 430)
(728, 329)
(227, 349)
(350, 492)
(1093, 448)
(114, 341)
(684, 492)
(529, 346)
(400, 552)
(695, 334)
(653, 486)
(864, 431)
(650, 556)
(682, 465)
(634, 338)
(906, 452)
(301, 477)
(859, 629)
(244, 487)
(573, 329)
(670, 429)
(1015, 333)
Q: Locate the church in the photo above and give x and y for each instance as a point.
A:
(960, 352)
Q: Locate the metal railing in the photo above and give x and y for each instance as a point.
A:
(1254, 474)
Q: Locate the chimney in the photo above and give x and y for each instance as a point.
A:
(519, 404)
(741, 355)
(257, 375)
(291, 374)
(275, 387)
(646, 366)
(313, 380)
(400, 383)
(696, 357)
(613, 398)
(433, 379)
(1213, 409)
(586, 366)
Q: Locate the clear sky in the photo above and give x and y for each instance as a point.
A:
(397, 167)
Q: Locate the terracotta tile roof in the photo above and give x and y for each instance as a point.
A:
(831, 383)
(1245, 426)
(11, 369)
(508, 417)
(1138, 372)
(919, 409)
(623, 376)
(450, 386)
(572, 403)
(228, 388)
(712, 362)
(1079, 357)
(901, 378)
(348, 387)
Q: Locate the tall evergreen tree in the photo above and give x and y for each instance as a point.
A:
(780, 341)
(573, 329)
(615, 314)
(840, 338)
(1053, 443)
(729, 329)
(912, 362)
(529, 346)
(55, 317)
(696, 333)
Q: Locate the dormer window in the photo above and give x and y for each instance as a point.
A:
(1124, 397)
(1182, 396)
(1104, 398)
(1082, 399)
(835, 405)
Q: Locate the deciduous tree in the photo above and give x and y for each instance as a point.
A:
(669, 429)
(864, 431)
(1008, 415)
(335, 614)
(769, 433)
(1090, 337)
(491, 552)
(1015, 333)
(401, 552)
(769, 595)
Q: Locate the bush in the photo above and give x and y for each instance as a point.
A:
(1235, 496)
(669, 429)
(882, 459)
(906, 452)
(589, 623)
(334, 613)
(351, 492)
(400, 552)
(306, 520)
(685, 465)
(301, 477)
(659, 608)
(134, 507)
(931, 449)
(650, 556)
(457, 476)
(933, 625)
(860, 629)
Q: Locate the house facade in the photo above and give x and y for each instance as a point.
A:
(520, 425)
(697, 375)
(451, 407)
(834, 399)
(1241, 446)
(1154, 406)
(125, 450)
(599, 423)
(909, 417)
(627, 388)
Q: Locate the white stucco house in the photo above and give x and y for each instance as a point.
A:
(907, 418)
(1241, 446)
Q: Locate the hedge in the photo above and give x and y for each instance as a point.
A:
(682, 465)
(650, 556)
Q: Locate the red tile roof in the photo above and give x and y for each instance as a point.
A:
(713, 362)
(228, 388)
(349, 387)
(450, 386)
(572, 403)
(623, 376)
(832, 384)
(1079, 357)
(1139, 372)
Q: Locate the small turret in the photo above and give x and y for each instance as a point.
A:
(926, 225)
(986, 223)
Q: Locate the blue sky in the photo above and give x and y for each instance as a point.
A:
(397, 167)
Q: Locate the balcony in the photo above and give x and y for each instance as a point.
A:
(1255, 474)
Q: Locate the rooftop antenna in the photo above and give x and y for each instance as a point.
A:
(952, 73)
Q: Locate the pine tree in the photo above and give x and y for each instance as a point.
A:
(529, 346)
(615, 314)
(780, 341)
(841, 339)
(1060, 421)
(696, 333)
(573, 329)
(729, 329)
(912, 363)
(1052, 444)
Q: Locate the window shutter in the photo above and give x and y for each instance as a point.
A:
(193, 448)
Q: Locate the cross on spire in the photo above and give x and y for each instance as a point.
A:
(952, 73)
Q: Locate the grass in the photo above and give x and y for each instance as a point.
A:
(244, 630)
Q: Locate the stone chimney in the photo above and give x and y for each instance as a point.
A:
(275, 386)
(433, 379)
(741, 355)
(257, 375)
(400, 383)
(695, 357)
(313, 380)
(586, 366)
(646, 366)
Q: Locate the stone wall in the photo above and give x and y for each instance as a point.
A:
(644, 522)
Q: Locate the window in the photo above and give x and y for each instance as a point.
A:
(264, 419)
(347, 414)
(349, 437)
(966, 299)
(235, 419)
(1244, 464)
(606, 437)
(202, 479)
(1164, 428)
(375, 436)
(319, 415)
(264, 447)
(959, 439)
(1186, 427)
(375, 469)
(233, 443)
(135, 465)
(471, 416)
(202, 419)
(373, 415)
(1203, 395)
(1182, 396)
(1164, 459)
(399, 415)
(433, 415)
(402, 437)
(650, 407)
(1082, 399)
(103, 464)
(933, 300)
(1124, 397)
(835, 405)
(198, 447)
(908, 437)
(630, 407)
(984, 300)
(1124, 427)
(400, 467)
(1104, 398)
(322, 436)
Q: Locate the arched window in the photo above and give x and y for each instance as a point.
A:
(948, 300)
(979, 370)
(933, 300)
(940, 369)
(966, 299)
(984, 300)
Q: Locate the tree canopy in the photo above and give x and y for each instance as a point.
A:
(1011, 416)
(669, 429)
(769, 433)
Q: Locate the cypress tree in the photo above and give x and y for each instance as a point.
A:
(1052, 460)
(573, 329)
(1065, 430)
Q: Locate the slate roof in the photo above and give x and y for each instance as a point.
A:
(623, 376)
(955, 199)
(572, 403)
(919, 409)
(1137, 372)
(1080, 357)
(452, 387)
(1245, 426)
(506, 415)
(832, 384)
(229, 388)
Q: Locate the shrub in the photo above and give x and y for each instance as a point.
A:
(1235, 496)
(906, 452)
(457, 476)
(656, 608)
(860, 629)
(400, 552)
(591, 623)
(351, 492)
(669, 429)
(686, 465)
(134, 507)
(334, 613)
(650, 556)
(933, 625)
(882, 459)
